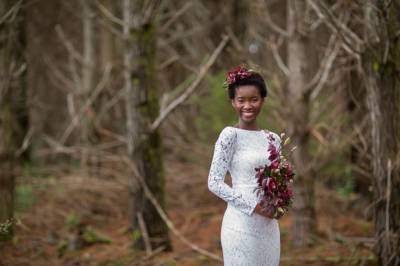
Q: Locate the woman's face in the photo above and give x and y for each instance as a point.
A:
(247, 103)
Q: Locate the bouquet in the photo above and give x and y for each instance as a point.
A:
(275, 180)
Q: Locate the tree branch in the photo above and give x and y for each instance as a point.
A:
(202, 72)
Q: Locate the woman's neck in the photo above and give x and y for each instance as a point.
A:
(243, 125)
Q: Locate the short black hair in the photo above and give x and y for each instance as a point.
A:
(255, 79)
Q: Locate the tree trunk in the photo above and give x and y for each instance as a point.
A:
(87, 85)
(305, 222)
(12, 102)
(382, 70)
(357, 110)
(144, 149)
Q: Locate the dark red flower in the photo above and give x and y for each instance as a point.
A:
(274, 165)
(237, 73)
(278, 202)
(271, 138)
(260, 174)
(271, 184)
(289, 172)
(273, 153)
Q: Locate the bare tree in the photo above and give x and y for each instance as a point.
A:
(381, 75)
(305, 53)
(144, 148)
(88, 74)
(12, 99)
(299, 62)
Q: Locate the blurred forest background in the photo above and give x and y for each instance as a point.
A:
(109, 111)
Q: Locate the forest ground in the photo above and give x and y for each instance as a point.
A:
(67, 206)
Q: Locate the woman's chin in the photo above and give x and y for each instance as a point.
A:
(247, 120)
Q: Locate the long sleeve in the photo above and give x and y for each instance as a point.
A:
(223, 152)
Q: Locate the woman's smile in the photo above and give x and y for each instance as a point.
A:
(248, 114)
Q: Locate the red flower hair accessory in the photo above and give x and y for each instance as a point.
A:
(237, 73)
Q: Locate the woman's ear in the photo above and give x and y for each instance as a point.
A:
(233, 102)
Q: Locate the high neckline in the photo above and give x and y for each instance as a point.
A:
(249, 130)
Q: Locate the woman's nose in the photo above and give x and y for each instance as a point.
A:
(247, 104)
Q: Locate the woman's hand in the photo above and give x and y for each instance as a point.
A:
(267, 213)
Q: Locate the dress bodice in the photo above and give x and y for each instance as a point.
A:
(240, 151)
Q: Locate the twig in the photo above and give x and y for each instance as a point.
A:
(68, 45)
(25, 143)
(177, 14)
(278, 59)
(168, 62)
(235, 41)
(154, 252)
(338, 27)
(388, 190)
(109, 15)
(57, 74)
(326, 70)
(328, 51)
(145, 234)
(203, 71)
(164, 216)
(89, 101)
(149, 12)
(108, 105)
(273, 25)
(11, 12)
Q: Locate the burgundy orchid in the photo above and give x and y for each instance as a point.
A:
(273, 153)
(271, 184)
(274, 165)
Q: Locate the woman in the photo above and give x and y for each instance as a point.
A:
(248, 235)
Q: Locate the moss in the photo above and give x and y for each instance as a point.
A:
(150, 147)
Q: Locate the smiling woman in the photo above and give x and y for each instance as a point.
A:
(247, 103)
(249, 236)
(247, 91)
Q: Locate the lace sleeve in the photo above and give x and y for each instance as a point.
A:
(223, 151)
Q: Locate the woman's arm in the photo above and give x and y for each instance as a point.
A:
(223, 152)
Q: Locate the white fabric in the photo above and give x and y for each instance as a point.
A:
(247, 238)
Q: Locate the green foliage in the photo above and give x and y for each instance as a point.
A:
(6, 230)
(62, 247)
(214, 108)
(24, 198)
(90, 236)
(72, 221)
(136, 234)
(204, 261)
(347, 188)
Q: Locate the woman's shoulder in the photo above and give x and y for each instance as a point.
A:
(272, 134)
(228, 131)
(275, 139)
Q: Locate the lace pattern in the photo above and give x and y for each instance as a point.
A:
(247, 238)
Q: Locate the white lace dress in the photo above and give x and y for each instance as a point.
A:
(247, 238)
